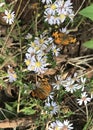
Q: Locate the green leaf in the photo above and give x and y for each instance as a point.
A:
(89, 44)
(87, 12)
(28, 111)
(8, 107)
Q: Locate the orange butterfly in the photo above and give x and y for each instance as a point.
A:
(42, 90)
(62, 38)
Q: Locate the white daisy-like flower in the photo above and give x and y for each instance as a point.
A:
(50, 97)
(53, 107)
(51, 9)
(55, 50)
(84, 99)
(70, 85)
(11, 74)
(39, 65)
(49, 18)
(47, 1)
(58, 83)
(81, 82)
(9, 18)
(64, 30)
(41, 41)
(67, 125)
(58, 125)
(30, 52)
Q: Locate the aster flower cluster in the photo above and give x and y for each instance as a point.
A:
(58, 125)
(36, 59)
(57, 12)
(72, 85)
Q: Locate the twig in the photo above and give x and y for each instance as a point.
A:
(16, 122)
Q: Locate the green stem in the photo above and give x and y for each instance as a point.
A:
(19, 97)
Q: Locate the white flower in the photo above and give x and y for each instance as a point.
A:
(11, 74)
(50, 97)
(55, 50)
(57, 12)
(82, 82)
(64, 30)
(39, 65)
(41, 41)
(28, 36)
(84, 99)
(46, 1)
(58, 82)
(28, 61)
(57, 125)
(49, 18)
(51, 9)
(9, 18)
(67, 125)
(70, 85)
(53, 107)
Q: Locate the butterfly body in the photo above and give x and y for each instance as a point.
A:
(42, 90)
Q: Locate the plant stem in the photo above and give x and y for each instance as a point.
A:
(87, 112)
(19, 96)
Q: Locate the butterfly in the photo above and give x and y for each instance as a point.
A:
(63, 38)
(42, 89)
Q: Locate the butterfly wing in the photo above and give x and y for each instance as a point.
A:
(42, 91)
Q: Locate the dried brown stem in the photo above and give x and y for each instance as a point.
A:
(17, 122)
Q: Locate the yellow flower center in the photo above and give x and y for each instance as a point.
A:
(41, 41)
(62, 16)
(54, 50)
(57, 128)
(38, 64)
(27, 62)
(14, 75)
(53, 7)
(9, 16)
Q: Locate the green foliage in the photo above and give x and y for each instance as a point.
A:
(1, 60)
(51, 60)
(29, 110)
(88, 12)
(89, 44)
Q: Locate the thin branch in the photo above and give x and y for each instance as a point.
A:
(16, 122)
